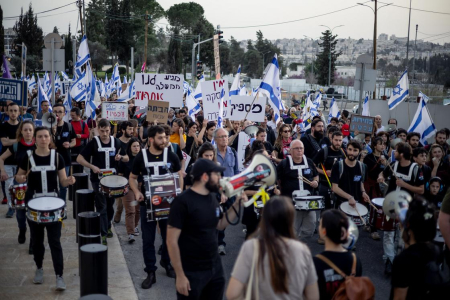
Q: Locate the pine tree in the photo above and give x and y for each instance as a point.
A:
(95, 21)
(322, 61)
(236, 54)
(113, 27)
(55, 30)
(29, 32)
(2, 37)
(68, 53)
(174, 55)
(126, 33)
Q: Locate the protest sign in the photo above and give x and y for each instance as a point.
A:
(159, 87)
(158, 110)
(187, 159)
(14, 90)
(211, 99)
(65, 87)
(242, 108)
(115, 111)
(243, 142)
(364, 124)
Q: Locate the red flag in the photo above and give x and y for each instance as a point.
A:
(143, 67)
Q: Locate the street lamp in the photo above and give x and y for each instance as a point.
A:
(329, 53)
(374, 35)
(263, 54)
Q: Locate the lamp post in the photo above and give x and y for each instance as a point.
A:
(263, 54)
(312, 57)
(329, 53)
(375, 36)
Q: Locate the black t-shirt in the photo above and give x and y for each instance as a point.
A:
(312, 145)
(329, 161)
(424, 173)
(21, 152)
(234, 145)
(415, 179)
(126, 167)
(98, 158)
(267, 146)
(350, 181)
(327, 279)
(374, 166)
(123, 148)
(409, 270)
(289, 178)
(34, 182)
(189, 142)
(64, 133)
(197, 216)
(9, 131)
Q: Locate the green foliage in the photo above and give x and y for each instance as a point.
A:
(236, 54)
(2, 37)
(225, 61)
(113, 27)
(68, 53)
(95, 21)
(33, 63)
(174, 56)
(109, 71)
(328, 44)
(98, 58)
(29, 33)
(184, 15)
(55, 30)
(252, 62)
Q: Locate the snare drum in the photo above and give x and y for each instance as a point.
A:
(160, 191)
(114, 186)
(17, 192)
(353, 214)
(46, 210)
(309, 203)
(378, 218)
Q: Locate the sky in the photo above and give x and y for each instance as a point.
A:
(357, 21)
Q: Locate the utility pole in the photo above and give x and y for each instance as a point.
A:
(198, 55)
(329, 62)
(146, 29)
(407, 43)
(132, 64)
(84, 17)
(375, 47)
(414, 58)
(74, 55)
(81, 18)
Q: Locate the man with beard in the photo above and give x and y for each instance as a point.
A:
(441, 140)
(413, 139)
(156, 160)
(269, 131)
(194, 219)
(312, 141)
(347, 177)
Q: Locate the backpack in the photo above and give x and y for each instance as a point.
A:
(353, 288)
(437, 281)
(361, 166)
(83, 125)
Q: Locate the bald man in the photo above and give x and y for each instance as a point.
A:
(290, 170)
(378, 122)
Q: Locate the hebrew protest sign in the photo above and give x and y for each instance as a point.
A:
(242, 108)
(157, 110)
(211, 91)
(159, 87)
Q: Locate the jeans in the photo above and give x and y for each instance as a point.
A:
(104, 206)
(63, 190)
(54, 240)
(131, 212)
(148, 241)
(305, 222)
(206, 284)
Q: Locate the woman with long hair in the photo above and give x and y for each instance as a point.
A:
(192, 142)
(40, 157)
(282, 143)
(206, 151)
(439, 166)
(129, 200)
(207, 135)
(178, 136)
(333, 229)
(284, 266)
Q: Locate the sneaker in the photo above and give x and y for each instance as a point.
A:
(110, 234)
(39, 276)
(170, 272)
(5, 201)
(388, 267)
(60, 284)
(149, 281)
(22, 237)
(104, 241)
(131, 239)
(222, 250)
(320, 241)
(116, 219)
(136, 231)
(367, 228)
(375, 236)
(10, 213)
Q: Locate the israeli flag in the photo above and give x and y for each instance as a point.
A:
(422, 122)
(31, 84)
(334, 110)
(47, 85)
(365, 110)
(243, 91)
(65, 76)
(308, 114)
(125, 79)
(41, 97)
(78, 89)
(83, 55)
(220, 118)
(185, 87)
(192, 105)
(400, 91)
(119, 87)
(115, 75)
(317, 101)
(57, 82)
(102, 89)
(22, 77)
(255, 91)
(198, 92)
(235, 87)
(68, 106)
(129, 93)
(92, 95)
(270, 87)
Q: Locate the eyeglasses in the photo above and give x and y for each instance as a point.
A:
(221, 137)
(286, 131)
(297, 148)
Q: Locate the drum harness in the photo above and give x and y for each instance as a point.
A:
(299, 168)
(106, 151)
(44, 170)
(403, 176)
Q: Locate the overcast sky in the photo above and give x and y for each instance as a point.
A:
(357, 21)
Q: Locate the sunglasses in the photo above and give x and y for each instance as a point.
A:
(286, 131)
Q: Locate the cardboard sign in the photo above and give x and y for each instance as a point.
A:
(159, 87)
(364, 124)
(158, 110)
(115, 111)
(243, 142)
(14, 90)
(211, 99)
(242, 108)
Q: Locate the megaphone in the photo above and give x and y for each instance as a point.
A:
(49, 120)
(360, 138)
(251, 130)
(260, 170)
(353, 235)
(391, 128)
(396, 204)
(394, 142)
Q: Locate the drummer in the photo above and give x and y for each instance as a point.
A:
(104, 150)
(44, 156)
(293, 172)
(156, 160)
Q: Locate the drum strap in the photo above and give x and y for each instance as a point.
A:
(106, 150)
(43, 169)
(155, 164)
(299, 169)
(403, 176)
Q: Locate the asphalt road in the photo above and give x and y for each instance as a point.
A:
(369, 251)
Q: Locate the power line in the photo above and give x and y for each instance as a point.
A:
(422, 10)
(442, 37)
(41, 12)
(429, 37)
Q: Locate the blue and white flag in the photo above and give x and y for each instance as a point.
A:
(31, 84)
(119, 87)
(92, 95)
(128, 94)
(83, 55)
(270, 87)
(192, 105)
(220, 117)
(400, 91)
(78, 89)
(125, 79)
(254, 91)
(334, 110)
(132, 89)
(68, 106)
(57, 82)
(115, 75)
(236, 86)
(366, 110)
(185, 87)
(65, 76)
(243, 91)
(42, 96)
(317, 101)
(422, 122)
(47, 85)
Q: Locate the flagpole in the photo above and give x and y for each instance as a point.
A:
(256, 96)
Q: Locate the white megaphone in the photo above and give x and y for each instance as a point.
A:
(396, 204)
(49, 120)
(353, 235)
(251, 130)
(260, 170)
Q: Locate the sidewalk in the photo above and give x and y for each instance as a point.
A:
(17, 267)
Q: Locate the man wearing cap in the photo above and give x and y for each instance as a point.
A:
(195, 216)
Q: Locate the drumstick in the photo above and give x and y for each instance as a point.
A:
(305, 180)
(373, 206)
(364, 222)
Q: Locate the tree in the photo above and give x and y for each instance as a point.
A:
(2, 37)
(252, 61)
(55, 30)
(95, 21)
(175, 56)
(225, 61)
(113, 27)
(68, 53)
(98, 58)
(236, 54)
(126, 30)
(29, 33)
(328, 46)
